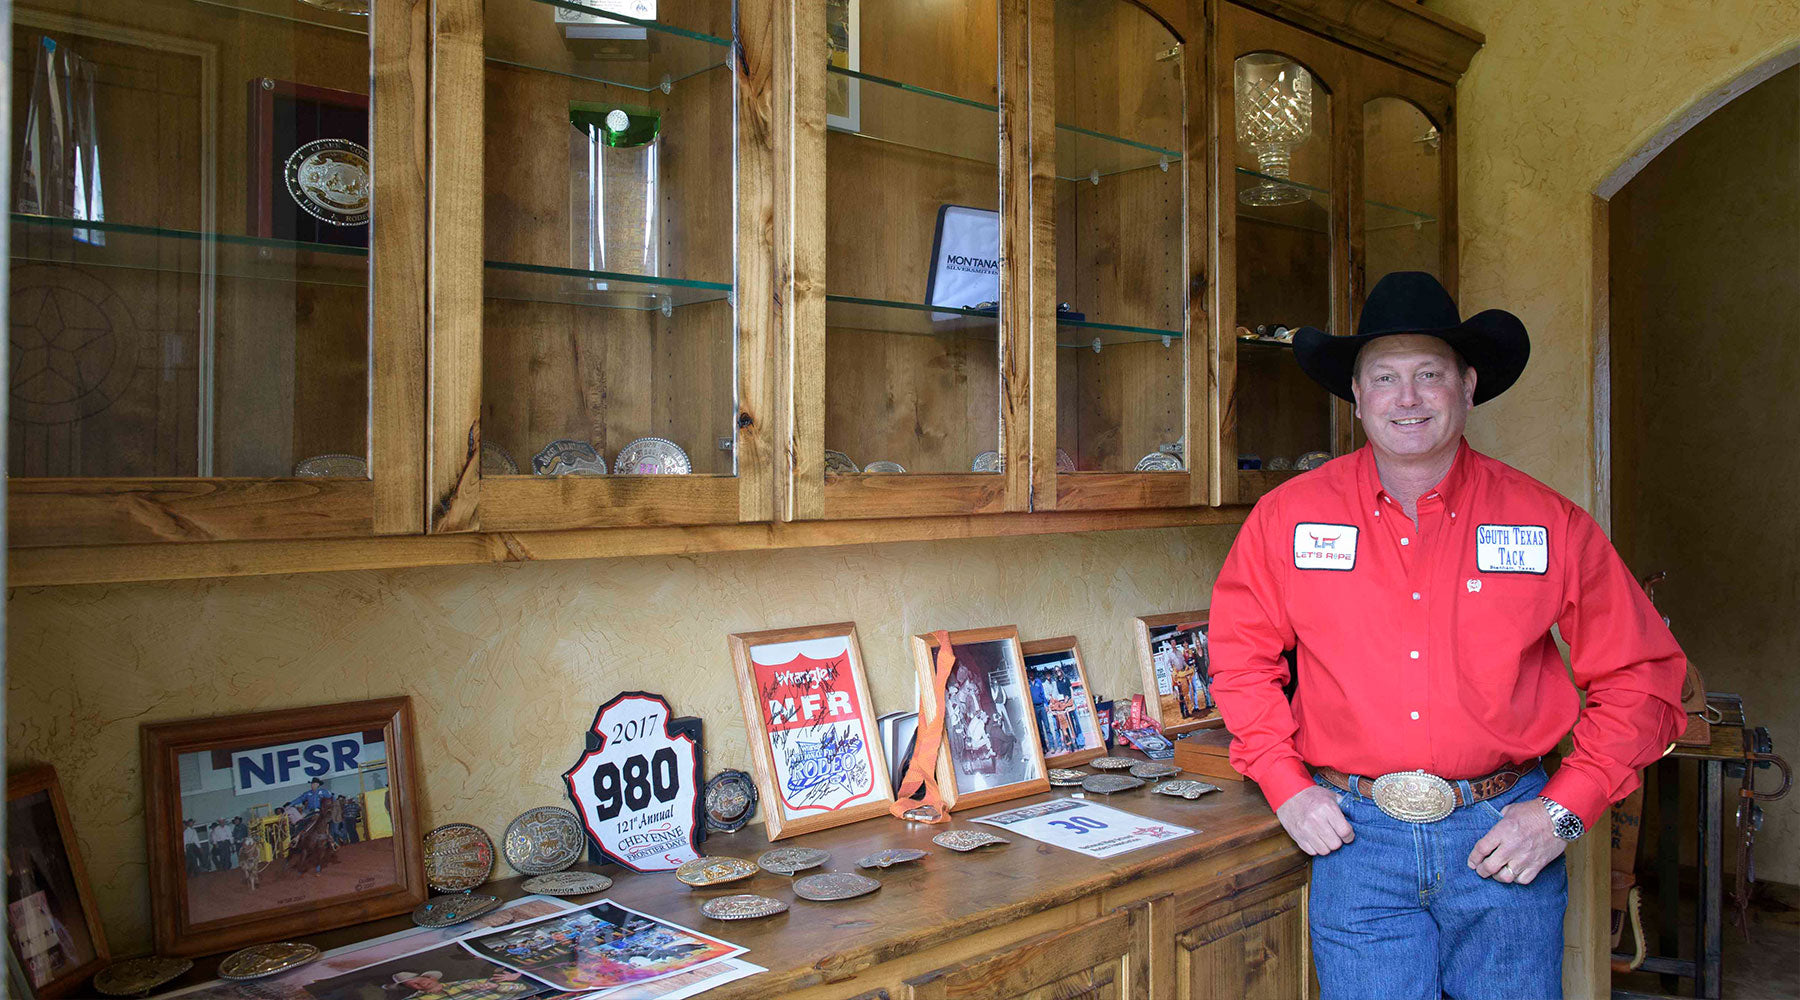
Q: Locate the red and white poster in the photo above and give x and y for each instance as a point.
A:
(818, 741)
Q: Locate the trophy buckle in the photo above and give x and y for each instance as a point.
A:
(1414, 796)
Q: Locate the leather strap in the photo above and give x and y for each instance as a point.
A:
(1485, 787)
(919, 792)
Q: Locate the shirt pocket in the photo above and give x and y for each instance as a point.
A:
(1501, 633)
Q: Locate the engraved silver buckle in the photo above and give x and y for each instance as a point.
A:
(1414, 796)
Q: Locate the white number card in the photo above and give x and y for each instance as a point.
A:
(1094, 830)
(636, 788)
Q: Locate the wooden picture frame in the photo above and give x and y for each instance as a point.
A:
(36, 813)
(813, 679)
(996, 651)
(1175, 711)
(290, 778)
(1078, 723)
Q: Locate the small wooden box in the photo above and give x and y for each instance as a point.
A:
(1204, 751)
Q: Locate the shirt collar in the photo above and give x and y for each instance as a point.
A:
(1448, 489)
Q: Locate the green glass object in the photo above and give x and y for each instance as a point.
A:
(620, 126)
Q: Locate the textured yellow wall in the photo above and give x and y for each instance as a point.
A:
(1559, 97)
(1706, 255)
(506, 664)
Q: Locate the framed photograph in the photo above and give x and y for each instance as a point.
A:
(814, 740)
(1103, 710)
(1063, 702)
(991, 751)
(310, 175)
(1177, 676)
(843, 40)
(52, 925)
(280, 823)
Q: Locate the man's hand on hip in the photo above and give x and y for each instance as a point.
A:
(1313, 819)
(1519, 846)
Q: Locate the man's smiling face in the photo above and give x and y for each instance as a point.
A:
(1412, 395)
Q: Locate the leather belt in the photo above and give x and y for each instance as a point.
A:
(1423, 797)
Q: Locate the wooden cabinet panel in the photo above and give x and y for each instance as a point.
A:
(1253, 952)
(1103, 959)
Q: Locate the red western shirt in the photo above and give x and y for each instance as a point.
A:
(1427, 646)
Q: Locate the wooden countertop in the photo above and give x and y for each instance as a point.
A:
(920, 905)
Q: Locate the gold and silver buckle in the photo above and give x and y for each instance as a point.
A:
(1414, 796)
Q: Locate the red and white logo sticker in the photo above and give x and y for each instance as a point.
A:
(1324, 546)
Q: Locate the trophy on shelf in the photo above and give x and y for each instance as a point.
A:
(614, 213)
(1274, 114)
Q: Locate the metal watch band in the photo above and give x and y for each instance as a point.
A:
(1565, 824)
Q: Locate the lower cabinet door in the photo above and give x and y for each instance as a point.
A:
(1253, 953)
(1103, 959)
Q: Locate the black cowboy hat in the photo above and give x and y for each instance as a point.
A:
(1493, 342)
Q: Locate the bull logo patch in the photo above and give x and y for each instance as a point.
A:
(1324, 546)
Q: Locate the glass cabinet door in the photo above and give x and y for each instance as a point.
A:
(912, 228)
(609, 343)
(1121, 386)
(1402, 191)
(1282, 172)
(193, 203)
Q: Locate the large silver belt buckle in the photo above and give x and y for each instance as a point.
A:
(1414, 796)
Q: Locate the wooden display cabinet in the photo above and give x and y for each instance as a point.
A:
(981, 395)
(589, 287)
(184, 335)
(1370, 190)
(747, 273)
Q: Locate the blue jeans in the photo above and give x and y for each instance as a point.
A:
(1398, 913)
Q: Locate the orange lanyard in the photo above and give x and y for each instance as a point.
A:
(919, 792)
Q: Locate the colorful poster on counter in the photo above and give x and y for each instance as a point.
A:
(599, 946)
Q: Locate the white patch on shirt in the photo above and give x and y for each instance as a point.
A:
(1512, 548)
(1324, 546)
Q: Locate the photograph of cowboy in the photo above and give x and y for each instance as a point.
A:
(1183, 672)
(267, 826)
(440, 973)
(1065, 716)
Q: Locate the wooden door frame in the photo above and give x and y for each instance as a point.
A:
(1588, 966)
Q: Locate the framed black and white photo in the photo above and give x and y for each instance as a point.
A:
(991, 750)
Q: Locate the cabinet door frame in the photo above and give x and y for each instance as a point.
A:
(459, 500)
(805, 491)
(67, 511)
(1242, 31)
(1050, 488)
(1121, 936)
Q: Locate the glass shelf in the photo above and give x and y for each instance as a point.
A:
(913, 318)
(603, 289)
(49, 240)
(1277, 345)
(665, 56)
(294, 13)
(1313, 212)
(918, 118)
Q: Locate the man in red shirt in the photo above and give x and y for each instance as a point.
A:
(1416, 581)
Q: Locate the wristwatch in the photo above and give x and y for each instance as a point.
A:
(1565, 824)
